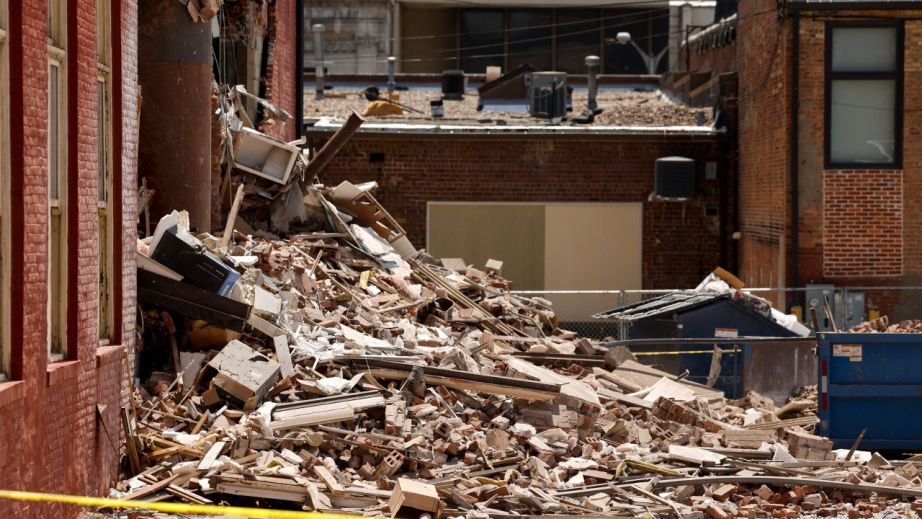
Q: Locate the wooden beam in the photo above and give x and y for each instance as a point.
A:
(332, 146)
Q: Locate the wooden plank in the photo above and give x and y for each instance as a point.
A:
(329, 480)
(231, 218)
(785, 481)
(211, 456)
(283, 355)
(131, 444)
(538, 389)
(480, 387)
(148, 490)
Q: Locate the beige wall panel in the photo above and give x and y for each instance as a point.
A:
(591, 247)
(513, 233)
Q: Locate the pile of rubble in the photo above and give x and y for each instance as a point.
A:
(310, 357)
(341, 369)
(882, 325)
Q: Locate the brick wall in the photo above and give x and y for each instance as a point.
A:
(54, 438)
(763, 46)
(858, 226)
(863, 223)
(280, 74)
(681, 243)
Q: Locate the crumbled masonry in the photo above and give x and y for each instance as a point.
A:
(312, 358)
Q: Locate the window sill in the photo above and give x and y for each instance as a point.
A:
(106, 355)
(60, 372)
(12, 392)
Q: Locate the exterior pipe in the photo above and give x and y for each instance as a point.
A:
(318, 59)
(299, 69)
(592, 68)
(795, 152)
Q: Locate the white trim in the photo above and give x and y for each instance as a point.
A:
(330, 124)
(57, 209)
(103, 208)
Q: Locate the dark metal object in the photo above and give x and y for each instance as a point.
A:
(191, 301)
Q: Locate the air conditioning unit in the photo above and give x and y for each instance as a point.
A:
(547, 94)
(453, 84)
(674, 177)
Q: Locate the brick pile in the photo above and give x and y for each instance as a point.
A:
(370, 371)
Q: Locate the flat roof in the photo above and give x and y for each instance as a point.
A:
(328, 125)
(630, 107)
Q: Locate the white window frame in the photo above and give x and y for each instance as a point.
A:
(104, 206)
(4, 195)
(57, 214)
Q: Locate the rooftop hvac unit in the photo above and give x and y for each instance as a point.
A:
(674, 177)
(547, 94)
(453, 85)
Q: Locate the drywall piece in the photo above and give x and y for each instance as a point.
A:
(265, 302)
(244, 373)
(284, 355)
(264, 156)
(191, 363)
(421, 497)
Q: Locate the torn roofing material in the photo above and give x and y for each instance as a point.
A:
(669, 304)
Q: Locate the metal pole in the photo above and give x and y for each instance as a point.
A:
(391, 84)
(592, 67)
(318, 59)
(299, 69)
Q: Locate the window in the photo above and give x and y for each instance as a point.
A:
(57, 182)
(4, 193)
(482, 39)
(530, 35)
(579, 34)
(863, 96)
(560, 39)
(104, 168)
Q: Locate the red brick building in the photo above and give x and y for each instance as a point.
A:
(68, 128)
(829, 163)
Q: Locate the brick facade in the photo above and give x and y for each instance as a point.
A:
(59, 422)
(280, 73)
(763, 136)
(681, 240)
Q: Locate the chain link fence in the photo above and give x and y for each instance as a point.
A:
(848, 306)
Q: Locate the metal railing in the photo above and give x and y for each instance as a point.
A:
(849, 305)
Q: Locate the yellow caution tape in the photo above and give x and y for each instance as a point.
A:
(174, 508)
(690, 352)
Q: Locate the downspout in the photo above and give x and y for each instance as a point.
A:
(299, 69)
(794, 157)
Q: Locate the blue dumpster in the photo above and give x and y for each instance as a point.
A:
(871, 381)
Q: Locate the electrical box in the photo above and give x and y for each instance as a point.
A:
(815, 297)
(674, 177)
(547, 94)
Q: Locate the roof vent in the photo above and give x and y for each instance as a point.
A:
(674, 178)
(453, 85)
(547, 94)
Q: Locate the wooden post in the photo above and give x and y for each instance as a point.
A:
(332, 146)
